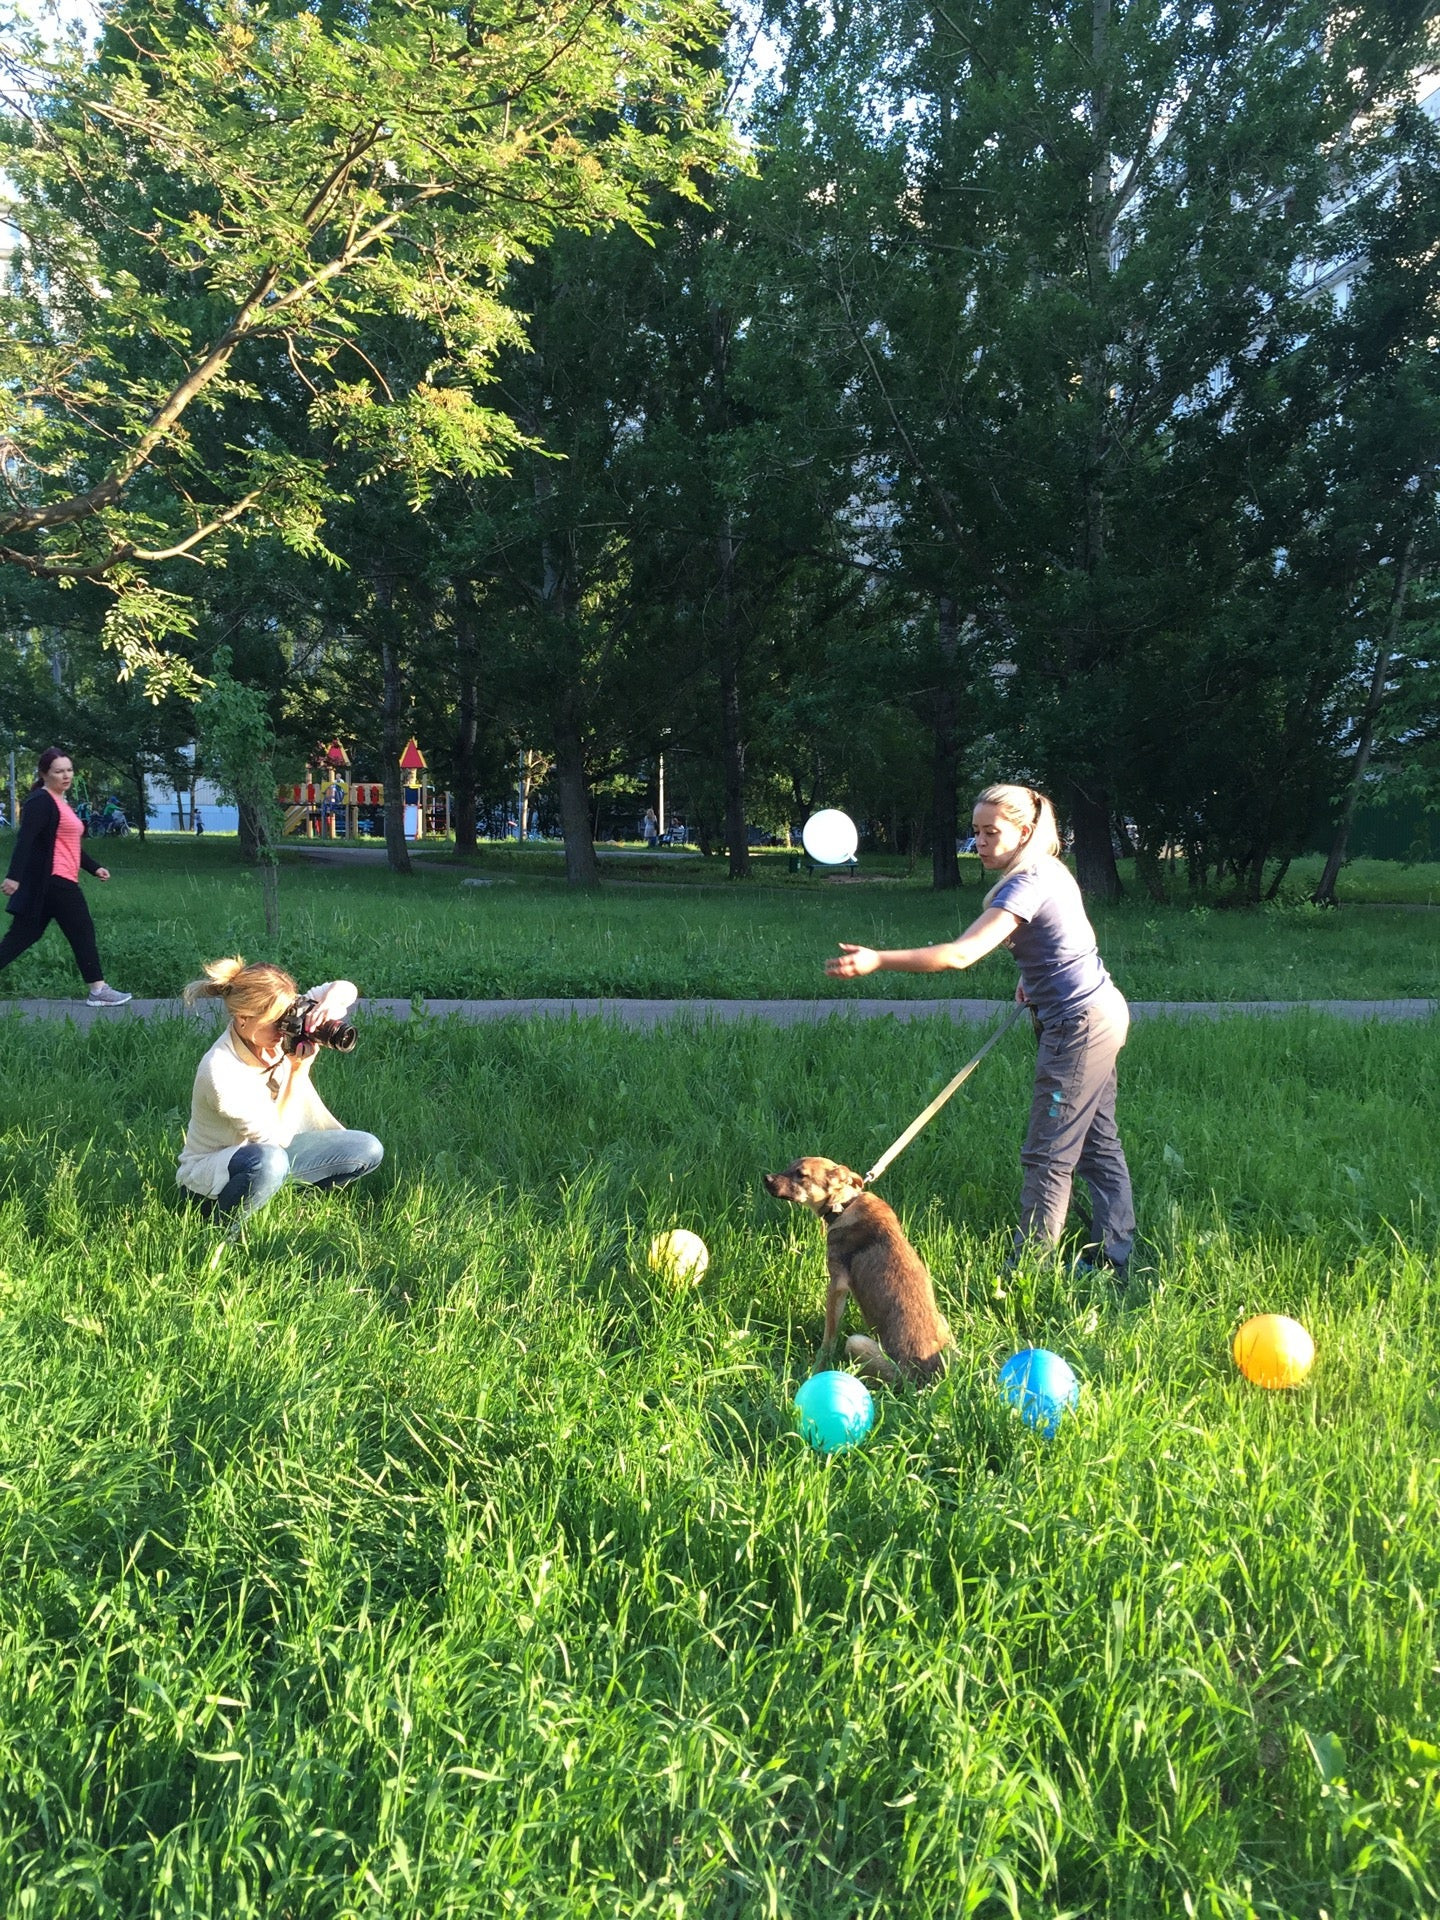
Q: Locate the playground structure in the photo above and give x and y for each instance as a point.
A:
(327, 804)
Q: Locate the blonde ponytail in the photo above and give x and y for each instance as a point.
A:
(1026, 807)
(255, 992)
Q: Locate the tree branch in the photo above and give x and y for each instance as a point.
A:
(42, 569)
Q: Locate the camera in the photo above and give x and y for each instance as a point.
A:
(330, 1033)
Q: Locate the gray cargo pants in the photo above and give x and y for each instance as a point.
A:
(1072, 1130)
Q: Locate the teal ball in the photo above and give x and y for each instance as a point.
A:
(836, 1411)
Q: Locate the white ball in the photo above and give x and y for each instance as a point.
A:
(829, 837)
(680, 1255)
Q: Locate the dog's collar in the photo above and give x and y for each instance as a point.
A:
(834, 1213)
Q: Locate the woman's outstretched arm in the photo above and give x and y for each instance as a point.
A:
(982, 936)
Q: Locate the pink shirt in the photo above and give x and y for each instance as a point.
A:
(68, 835)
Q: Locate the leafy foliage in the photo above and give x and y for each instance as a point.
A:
(1000, 417)
(211, 206)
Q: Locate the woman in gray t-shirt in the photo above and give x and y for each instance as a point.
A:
(1035, 909)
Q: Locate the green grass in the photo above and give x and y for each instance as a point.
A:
(172, 906)
(1371, 882)
(427, 1556)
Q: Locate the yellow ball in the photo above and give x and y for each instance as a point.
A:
(680, 1255)
(1274, 1351)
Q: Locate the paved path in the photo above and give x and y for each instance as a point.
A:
(780, 1013)
(340, 852)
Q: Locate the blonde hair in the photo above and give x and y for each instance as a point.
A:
(1026, 807)
(255, 992)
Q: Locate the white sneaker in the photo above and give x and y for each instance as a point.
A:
(103, 996)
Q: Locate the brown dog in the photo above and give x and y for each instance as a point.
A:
(868, 1255)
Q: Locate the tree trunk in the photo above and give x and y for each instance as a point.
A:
(582, 868)
(732, 745)
(248, 831)
(945, 784)
(392, 745)
(558, 570)
(1324, 894)
(141, 797)
(1095, 867)
(141, 809)
(270, 894)
(1089, 801)
(1147, 866)
(467, 673)
(736, 836)
(1263, 819)
(465, 731)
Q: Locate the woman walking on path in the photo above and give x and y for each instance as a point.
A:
(43, 883)
(1036, 910)
(255, 1119)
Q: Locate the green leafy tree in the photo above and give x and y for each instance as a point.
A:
(204, 200)
(1061, 253)
(1380, 462)
(238, 742)
(738, 478)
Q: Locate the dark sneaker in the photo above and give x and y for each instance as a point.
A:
(1091, 1261)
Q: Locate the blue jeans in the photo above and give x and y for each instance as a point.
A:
(322, 1159)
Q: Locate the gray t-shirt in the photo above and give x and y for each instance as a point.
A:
(1054, 944)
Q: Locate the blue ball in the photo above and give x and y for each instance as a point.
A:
(1042, 1385)
(836, 1411)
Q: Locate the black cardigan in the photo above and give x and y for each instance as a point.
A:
(34, 853)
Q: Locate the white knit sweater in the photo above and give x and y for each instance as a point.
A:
(240, 1102)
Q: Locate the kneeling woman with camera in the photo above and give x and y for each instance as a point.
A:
(255, 1119)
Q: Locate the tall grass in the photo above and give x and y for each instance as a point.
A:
(426, 1555)
(170, 907)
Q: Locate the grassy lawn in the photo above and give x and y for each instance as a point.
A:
(427, 1556)
(1370, 882)
(172, 905)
